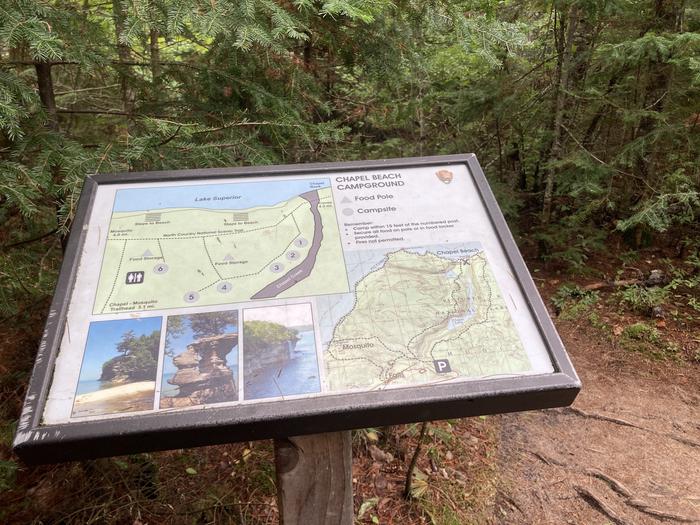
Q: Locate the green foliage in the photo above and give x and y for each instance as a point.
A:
(27, 271)
(16, 99)
(213, 323)
(26, 23)
(682, 288)
(642, 332)
(608, 118)
(571, 302)
(641, 337)
(642, 299)
(8, 470)
(138, 360)
(570, 243)
(677, 204)
(263, 334)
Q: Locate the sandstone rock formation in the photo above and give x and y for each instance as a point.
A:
(203, 375)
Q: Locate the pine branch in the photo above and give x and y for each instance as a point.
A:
(129, 63)
(115, 112)
(28, 241)
(241, 124)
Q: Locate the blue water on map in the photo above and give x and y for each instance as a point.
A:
(459, 320)
(299, 375)
(359, 263)
(230, 196)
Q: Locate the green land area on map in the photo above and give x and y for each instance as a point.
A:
(418, 311)
(179, 257)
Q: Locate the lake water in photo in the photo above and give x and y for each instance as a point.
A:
(166, 389)
(299, 375)
(91, 385)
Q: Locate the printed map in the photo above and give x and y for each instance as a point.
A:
(418, 316)
(179, 246)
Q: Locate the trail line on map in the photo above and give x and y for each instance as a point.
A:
(302, 270)
(116, 275)
(206, 250)
(212, 234)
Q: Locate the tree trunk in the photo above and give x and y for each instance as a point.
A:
(44, 82)
(154, 50)
(566, 36)
(124, 56)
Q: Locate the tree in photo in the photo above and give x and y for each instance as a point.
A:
(204, 373)
(214, 323)
(260, 335)
(138, 360)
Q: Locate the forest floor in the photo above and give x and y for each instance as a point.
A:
(626, 452)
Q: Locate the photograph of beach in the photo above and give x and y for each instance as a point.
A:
(201, 360)
(279, 352)
(119, 368)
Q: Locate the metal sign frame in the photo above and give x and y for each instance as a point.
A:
(37, 443)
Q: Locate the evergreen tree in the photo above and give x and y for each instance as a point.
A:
(583, 114)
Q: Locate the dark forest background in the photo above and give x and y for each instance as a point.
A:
(585, 115)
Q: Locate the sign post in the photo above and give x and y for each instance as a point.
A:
(314, 479)
(199, 307)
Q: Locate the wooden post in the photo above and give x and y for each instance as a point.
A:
(314, 479)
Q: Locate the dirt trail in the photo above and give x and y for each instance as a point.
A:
(627, 452)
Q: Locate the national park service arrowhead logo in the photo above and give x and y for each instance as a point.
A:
(445, 176)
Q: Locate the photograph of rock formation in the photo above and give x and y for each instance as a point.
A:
(279, 352)
(119, 368)
(201, 360)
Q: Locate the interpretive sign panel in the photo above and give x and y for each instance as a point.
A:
(208, 306)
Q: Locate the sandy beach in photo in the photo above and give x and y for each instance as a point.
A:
(129, 397)
(120, 363)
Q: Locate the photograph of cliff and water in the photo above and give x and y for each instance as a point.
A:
(201, 360)
(279, 354)
(118, 372)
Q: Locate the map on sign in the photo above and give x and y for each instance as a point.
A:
(197, 293)
(220, 243)
(418, 315)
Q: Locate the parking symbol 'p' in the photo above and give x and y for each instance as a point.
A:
(442, 366)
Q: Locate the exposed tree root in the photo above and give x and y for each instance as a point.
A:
(612, 284)
(601, 417)
(624, 423)
(655, 278)
(548, 460)
(640, 505)
(618, 487)
(643, 506)
(599, 504)
(614, 484)
(684, 440)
